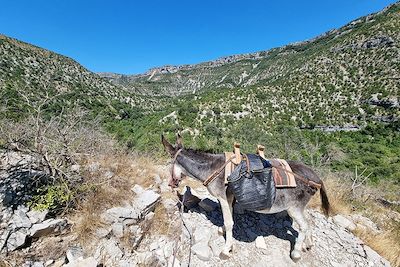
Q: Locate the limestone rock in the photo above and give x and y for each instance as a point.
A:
(145, 200)
(202, 250)
(118, 230)
(88, 262)
(48, 263)
(260, 242)
(102, 232)
(48, 227)
(20, 219)
(374, 257)
(365, 223)
(36, 216)
(16, 240)
(3, 238)
(202, 234)
(119, 214)
(344, 222)
(74, 254)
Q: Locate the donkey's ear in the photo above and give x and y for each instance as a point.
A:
(179, 140)
(168, 147)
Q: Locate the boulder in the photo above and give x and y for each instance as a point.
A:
(37, 216)
(48, 263)
(365, 224)
(20, 220)
(109, 252)
(74, 254)
(202, 250)
(119, 214)
(88, 262)
(3, 238)
(202, 234)
(102, 232)
(342, 221)
(168, 249)
(118, 229)
(16, 239)
(145, 200)
(48, 227)
(374, 258)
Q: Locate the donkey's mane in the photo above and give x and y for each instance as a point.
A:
(202, 151)
(201, 155)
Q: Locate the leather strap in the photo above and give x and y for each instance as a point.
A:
(215, 174)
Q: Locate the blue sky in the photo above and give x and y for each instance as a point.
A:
(133, 36)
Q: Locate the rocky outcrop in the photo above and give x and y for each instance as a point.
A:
(22, 225)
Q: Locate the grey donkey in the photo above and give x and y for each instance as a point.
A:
(200, 165)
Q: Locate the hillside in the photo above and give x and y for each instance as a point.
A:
(341, 77)
(32, 73)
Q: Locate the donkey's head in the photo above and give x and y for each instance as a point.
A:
(177, 172)
(190, 163)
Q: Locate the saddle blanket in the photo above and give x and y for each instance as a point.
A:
(282, 173)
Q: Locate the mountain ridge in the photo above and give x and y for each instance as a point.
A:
(139, 82)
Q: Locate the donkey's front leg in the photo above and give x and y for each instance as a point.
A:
(228, 223)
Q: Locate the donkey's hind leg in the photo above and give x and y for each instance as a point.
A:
(297, 214)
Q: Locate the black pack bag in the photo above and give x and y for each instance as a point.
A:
(254, 189)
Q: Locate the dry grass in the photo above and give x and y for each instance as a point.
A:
(110, 185)
(343, 201)
(162, 222)
(386, 244)
(4, 263)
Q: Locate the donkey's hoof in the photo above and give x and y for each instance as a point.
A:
(224, 256)
(221, 231)
(295, 255)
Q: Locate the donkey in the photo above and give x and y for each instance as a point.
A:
(200, 165)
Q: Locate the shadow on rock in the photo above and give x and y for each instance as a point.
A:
(249, 225)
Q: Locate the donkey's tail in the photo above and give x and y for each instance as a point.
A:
(324, 199)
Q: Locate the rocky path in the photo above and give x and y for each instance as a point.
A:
(151, 230)
(266, 240)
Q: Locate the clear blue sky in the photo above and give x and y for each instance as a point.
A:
(133, 36)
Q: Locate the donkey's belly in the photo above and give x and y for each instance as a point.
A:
(271, 210)
(281, 203)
